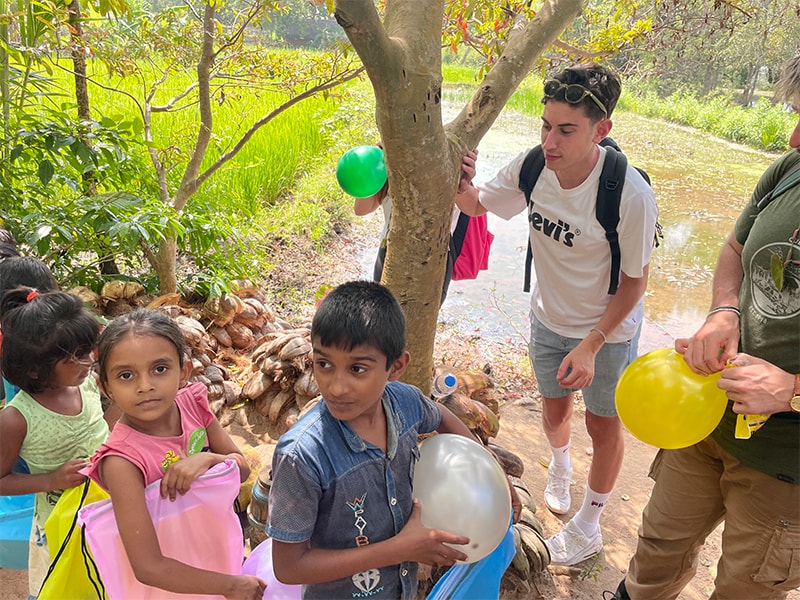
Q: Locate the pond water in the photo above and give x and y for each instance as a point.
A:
(701, 183)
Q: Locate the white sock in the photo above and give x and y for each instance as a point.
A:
(588, 517)
(560, 457)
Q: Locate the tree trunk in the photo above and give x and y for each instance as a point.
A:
(711, 78)
(750, 85)
(166, 256)
(402, 57)
(164, 264)
(108, 265)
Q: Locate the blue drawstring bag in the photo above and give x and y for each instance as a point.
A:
(479, 580)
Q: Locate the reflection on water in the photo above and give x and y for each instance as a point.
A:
(701, 185)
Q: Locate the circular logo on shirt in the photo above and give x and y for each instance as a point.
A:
(775, 280)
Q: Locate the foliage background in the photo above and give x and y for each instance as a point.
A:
(281, 184)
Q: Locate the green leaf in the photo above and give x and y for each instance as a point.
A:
(83, 152)
(60, 142)
(45, 172)
(776, 268)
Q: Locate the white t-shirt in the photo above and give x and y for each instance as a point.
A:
(571, 256)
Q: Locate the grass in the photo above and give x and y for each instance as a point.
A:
(765, 126)
(280, 184)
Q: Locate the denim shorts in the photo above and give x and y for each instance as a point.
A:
(548, 349)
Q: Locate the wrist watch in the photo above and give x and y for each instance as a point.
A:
(794, 402)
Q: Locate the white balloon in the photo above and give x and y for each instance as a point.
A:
(464, 491)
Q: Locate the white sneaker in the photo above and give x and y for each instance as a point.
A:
(571, 546)
(556, 492)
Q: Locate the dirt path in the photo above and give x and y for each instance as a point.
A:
(521, 433)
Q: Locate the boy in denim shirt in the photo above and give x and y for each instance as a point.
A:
(342, 516)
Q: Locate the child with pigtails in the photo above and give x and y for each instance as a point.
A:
(55, 422)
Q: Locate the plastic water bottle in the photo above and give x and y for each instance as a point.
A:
(444, 384)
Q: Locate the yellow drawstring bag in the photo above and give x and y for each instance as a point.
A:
(72, 574)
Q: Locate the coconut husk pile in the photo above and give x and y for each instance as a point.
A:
(258, 371)
(256, 366)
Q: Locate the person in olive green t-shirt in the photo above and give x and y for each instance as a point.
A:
(748, 476)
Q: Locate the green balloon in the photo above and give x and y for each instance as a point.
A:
(362, 171)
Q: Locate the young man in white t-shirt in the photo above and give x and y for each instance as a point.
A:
(582, 337)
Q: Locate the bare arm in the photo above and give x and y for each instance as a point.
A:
(364, 206)
(757, 387)
(452, 424)
(13, 429)
(717, 340)
(137, 532)
(629, 292)
(467, 197)
(296, 563)
(182, 473)
(580, 362)
(754, 385)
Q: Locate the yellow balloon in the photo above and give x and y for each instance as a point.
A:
(665, 404)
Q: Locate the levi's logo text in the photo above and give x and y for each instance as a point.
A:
(558, 231)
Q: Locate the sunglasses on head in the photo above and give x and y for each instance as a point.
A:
(574, 93)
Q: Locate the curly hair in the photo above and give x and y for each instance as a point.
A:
(602, 82)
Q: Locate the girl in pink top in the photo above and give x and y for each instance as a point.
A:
(166, 432)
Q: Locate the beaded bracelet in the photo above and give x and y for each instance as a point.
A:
(724, 308)
(601, 332)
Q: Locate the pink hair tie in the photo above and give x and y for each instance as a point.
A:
(31, 296)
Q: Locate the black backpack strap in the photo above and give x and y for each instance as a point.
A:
(528, 176)
(609, 194)
(789, 179)
(457, 239)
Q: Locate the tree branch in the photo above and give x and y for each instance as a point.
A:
(521, 52)
(240, 30)
(580, 52)
(378, 52)
(267, 118)
(189, 182)
(104, 87)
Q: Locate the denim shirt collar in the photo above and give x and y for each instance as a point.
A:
(357, 444)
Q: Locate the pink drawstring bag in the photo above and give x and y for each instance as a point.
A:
(473, 256)
(199, 528)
